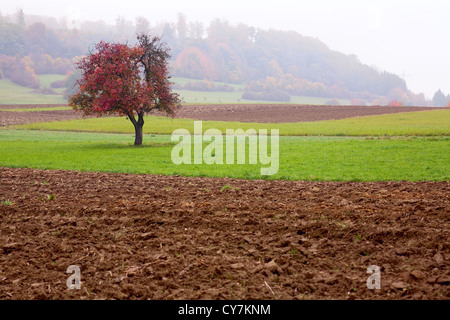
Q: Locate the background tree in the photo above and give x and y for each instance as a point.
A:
(439, 99)
(19, 71)
(20, 17)
(71, 83)
(142, 25)
(129, 81)
(196, 30)
(182, 28)
(193, 63)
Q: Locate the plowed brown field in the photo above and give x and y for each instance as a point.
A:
(12, 117)
(160, 237)
(277, 113)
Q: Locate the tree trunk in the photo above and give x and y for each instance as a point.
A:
(138, 127)
(138, 136)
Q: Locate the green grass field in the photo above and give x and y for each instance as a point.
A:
(11, 93)
(211, 97)
(45, 80)
(189, 96)
(301, 158)
(182, 81)
(423, 123)
(406, 146)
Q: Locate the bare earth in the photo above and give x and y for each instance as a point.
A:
(263, 113)
(160, 237)
(171, 237)
(13, 117)
(279, 113)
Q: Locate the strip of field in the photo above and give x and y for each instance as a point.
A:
(15, 94)
(8, 107)
(189, 96)
(10, 117)
(423, 123)
(35, 109)
(11, 93)
(281, 113)
(301, 158)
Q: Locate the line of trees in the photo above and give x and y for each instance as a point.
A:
(18, 70)
(271, 63)
(29, 50)
(440, 99)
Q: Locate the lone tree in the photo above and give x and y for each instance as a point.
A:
(129, 81)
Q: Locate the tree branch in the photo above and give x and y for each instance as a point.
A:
(131, 117)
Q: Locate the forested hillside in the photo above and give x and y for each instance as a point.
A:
(273, 64)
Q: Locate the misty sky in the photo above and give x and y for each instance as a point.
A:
(409, 38)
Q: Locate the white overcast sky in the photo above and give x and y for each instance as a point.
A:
(409, 38)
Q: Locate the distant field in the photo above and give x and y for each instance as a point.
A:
(11, 93)
(199, 97)
(35, 109)
(423, 123)
(46, 79)
(301, 158)
(182, 81)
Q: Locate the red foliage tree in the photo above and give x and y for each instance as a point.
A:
(395, 103)
(129, 81)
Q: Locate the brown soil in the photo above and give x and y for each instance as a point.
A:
(262, 113)
(279, 113)
(11, 118)
(30, 106)
(170, 237)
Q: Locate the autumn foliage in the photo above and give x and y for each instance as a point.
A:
(18, 70)
(395, 103)
(193, 63)
(124, 80)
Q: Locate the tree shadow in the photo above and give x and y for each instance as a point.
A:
(118, 145)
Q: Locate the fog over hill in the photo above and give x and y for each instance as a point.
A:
(274, 64)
